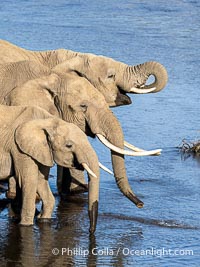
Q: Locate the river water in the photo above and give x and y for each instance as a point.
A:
(166, 232)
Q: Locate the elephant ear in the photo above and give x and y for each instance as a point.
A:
(51, 83)
(75, 64)
(32, 139)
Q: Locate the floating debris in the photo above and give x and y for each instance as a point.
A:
(190, 147)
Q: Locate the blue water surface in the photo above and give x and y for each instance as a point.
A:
(166, 232)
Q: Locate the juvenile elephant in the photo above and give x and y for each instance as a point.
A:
(75, 100)
(31, 141)
(112, 78)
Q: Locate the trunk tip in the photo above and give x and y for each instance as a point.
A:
(93, 214)
(140, 205)
(136, 200)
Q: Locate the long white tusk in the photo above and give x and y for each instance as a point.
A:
(134, 148)
(86, 167)
(126, 152)
(141, 91)
(105, 168)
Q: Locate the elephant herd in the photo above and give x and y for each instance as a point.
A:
(50, 101)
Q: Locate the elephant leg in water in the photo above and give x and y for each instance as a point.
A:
(11, 193)
(70, 181)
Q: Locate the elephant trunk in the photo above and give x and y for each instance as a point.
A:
(111, 130)
(136, 77)
(121, 179)
(90, 159)
(119, 169)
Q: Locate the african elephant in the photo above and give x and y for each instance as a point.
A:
(75, 100)
(112, 78)
(31, 141)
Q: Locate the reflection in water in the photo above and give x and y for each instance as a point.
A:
(92, 257)
(33, 246)
(190, 155)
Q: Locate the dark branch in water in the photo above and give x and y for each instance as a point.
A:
(190, 147)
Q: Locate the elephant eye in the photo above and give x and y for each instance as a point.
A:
(83, 105)
(69, 145)
(111, 76)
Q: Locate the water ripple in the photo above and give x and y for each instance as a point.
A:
(156, 222)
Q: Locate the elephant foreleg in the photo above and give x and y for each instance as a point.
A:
(27, 173)
(78, 183)
(45, 194)
(63, 180)
(11, 193)
(70, 181)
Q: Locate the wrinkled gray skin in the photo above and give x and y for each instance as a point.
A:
(75, 100)
(31, 141)
(112, 78)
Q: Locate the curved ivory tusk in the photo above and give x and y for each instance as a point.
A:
(134, 148)
(87, 168)
(105, 168)
(141, 91)
(126, 152)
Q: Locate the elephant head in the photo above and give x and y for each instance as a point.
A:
(53, 140)
(112, 78)
(115, 79)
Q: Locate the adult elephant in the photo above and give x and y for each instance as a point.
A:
(75, 100)
(112, 78)
(31, 141)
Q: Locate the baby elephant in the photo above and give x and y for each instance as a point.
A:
(31, 141)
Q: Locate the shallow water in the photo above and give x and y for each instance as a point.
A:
(169, 185)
